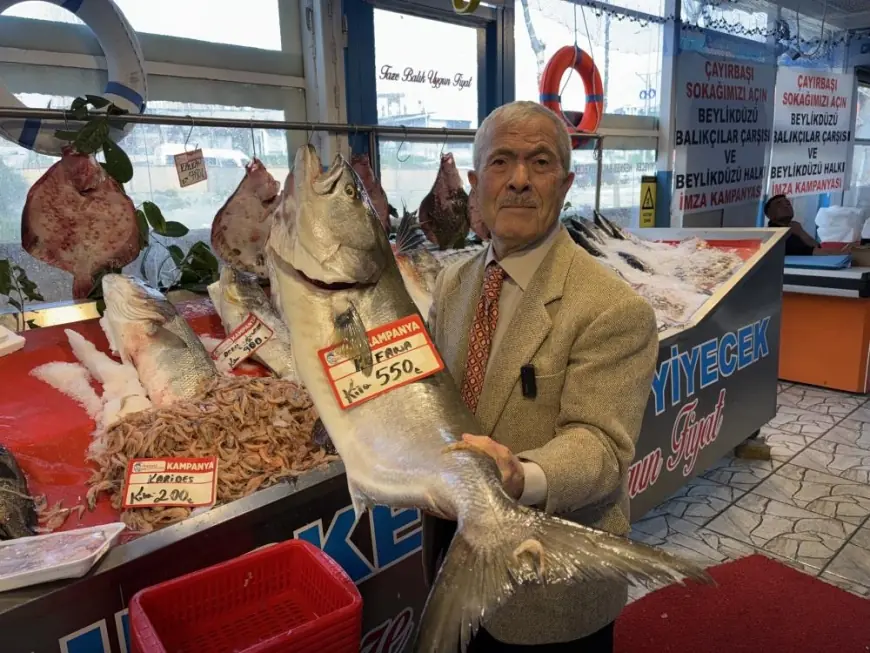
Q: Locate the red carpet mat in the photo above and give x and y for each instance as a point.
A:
(759, 606)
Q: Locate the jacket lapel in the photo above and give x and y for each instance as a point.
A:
(528, 329)
(458, 313)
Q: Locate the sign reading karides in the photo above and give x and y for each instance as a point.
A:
(811, 132)
(724, 119)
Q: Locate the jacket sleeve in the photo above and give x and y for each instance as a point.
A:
(607, 387)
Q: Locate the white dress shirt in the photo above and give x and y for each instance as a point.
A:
(520, 267)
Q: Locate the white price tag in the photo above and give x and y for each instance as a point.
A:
(190, 167)
(245, 339)
(402, 352)
(168, 482)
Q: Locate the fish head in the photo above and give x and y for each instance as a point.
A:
(134, 310)
(263, 185)
(448, 172)
(334, 235)
(239, 289)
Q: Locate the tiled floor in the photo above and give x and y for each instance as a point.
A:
(809, 507)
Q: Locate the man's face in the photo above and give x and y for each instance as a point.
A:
(521, 185)
(780, 211)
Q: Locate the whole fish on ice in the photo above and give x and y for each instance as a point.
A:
(79, 219)
(241, 226)
(146, 331)
(236, 296)
(17, 512)
(333, 264)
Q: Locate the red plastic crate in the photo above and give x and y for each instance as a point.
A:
(286, 597)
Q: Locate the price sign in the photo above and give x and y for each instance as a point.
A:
(402, 352)
(190, 167)
(170, 482)
(245, 339)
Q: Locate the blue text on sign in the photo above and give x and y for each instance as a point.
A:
(687, 372)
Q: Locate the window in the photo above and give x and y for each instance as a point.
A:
(581, 195)
(426, 72)
(862, 113)
(628, 54)
(252, 23)
(408, 170)
(620, 183)
(859, 192)
(748, 22)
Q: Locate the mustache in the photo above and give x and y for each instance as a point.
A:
(518, 202)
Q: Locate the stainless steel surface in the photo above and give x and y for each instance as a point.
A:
(824, 292)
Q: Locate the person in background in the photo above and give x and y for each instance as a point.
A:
(780, 213)
(555, 355)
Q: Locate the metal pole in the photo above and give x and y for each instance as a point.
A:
(599, 150)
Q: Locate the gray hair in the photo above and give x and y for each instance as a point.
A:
(522, 111)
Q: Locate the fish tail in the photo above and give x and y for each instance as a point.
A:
(82, 286)
(485, 565)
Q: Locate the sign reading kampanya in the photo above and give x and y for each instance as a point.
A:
(724, 119)
(811, 132)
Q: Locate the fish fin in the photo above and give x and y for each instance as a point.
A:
(483, 568)
(82, 286)
(353, 338)
(409, 236)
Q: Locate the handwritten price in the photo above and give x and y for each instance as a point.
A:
(175, 496)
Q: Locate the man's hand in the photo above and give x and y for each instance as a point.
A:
(513, 476)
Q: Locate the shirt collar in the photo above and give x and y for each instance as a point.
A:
(521, 265)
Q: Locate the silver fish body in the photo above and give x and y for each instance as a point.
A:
(333, 264)
(236, 296)
(148, 333)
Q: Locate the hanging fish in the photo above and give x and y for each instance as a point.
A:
(584, 242)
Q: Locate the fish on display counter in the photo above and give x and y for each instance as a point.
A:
(363, 167)
(241, 226)
(236, 296)
(402, 448)
(17, 512)
(146, 331)
(443, 213)
(79, 219)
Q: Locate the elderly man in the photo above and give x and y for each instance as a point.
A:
(555, 355)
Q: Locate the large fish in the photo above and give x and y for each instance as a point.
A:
(236, 296)
(333, 264)
(363, 167)
(147, 332)
(241, 226)
(78, 219)
(443, 213)
(17, 513)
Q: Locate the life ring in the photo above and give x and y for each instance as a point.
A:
(463, 7)
(127, 86)
(567, 57)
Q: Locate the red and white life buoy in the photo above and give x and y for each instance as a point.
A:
(567, 57)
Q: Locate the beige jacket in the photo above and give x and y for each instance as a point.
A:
(594, 344)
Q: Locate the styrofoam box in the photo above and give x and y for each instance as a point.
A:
(62, 562)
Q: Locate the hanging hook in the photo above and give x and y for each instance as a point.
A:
(190, 131)
(253, 141)
(402, 144)
(444, 143)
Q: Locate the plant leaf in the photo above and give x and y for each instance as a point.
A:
(32, 324)
(97, 102)
(92, 135)
(65, 135)
(101, 306)
(202, 258)
(5, 277)
(117, 162)
(79, 108)
(115, 110)
(154, 216)
(174, 230)
(176, 253)
(15, 303)
(144, 231)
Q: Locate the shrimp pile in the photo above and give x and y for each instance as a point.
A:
(259, 429)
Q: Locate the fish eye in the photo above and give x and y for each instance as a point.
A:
(349, 190)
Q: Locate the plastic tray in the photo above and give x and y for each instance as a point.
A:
(58, 566)
(286, 597)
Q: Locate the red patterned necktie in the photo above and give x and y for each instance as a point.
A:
(480, 337)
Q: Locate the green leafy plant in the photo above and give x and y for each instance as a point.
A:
(18, 290)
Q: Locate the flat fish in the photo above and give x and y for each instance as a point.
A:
(79, 219)
(363, 167)
(17, 510)
(443, 213)
(402, 448)
(240, 228)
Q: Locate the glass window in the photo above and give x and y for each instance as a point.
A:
(620, 183)
(581, 195)
(253, 23)
(750, 22)
(408, 170)
(151, 149)
(426, 72)
(652, 7)
(627, 54)
(862, 113)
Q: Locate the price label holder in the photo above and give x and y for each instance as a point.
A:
(402, 352)
(190, 167)
(170, 482)
(245, 339)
